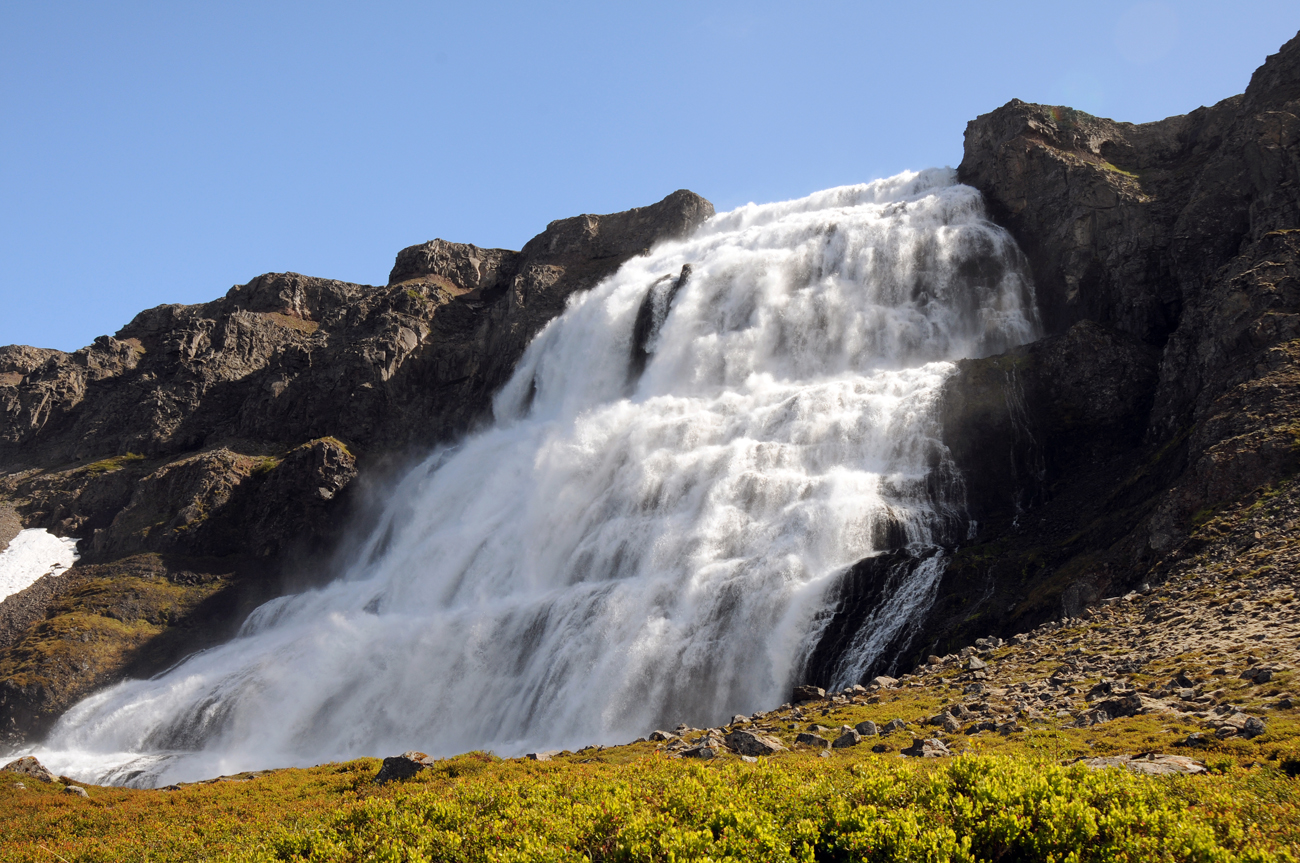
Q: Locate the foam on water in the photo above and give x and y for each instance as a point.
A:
(31, 554)
(634, 542)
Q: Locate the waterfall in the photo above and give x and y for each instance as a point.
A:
(681, 467)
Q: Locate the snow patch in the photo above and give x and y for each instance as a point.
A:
(32, 554)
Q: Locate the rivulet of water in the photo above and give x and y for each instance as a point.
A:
(681, 466)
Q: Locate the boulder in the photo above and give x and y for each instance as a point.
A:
(806, 739)
(546, 755)
(76, 790)
(705, 752)
(867, 728)
(848, 737)
(753, 743)
(928, 748)
(31, 768)
(398, 767)
(807, 693)
(893, 725)
(946, 721)
(1150, 764)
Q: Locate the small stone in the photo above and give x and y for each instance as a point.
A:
(75, 789)
(884, 682)
(749, 759)
(867, 728)
(1196, 739)
(662, 736)
(880, 747)
(975, 664)
(704, 752)
(739, 719)
(894, 725)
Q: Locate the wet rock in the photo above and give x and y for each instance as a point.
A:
(31, 768)
(399, 767)
(753, 743)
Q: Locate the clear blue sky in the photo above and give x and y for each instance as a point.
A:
(162, 152)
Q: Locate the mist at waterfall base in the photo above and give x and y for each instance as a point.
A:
(681, 468)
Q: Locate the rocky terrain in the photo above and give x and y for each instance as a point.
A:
(1200, 666)
(1147, 443)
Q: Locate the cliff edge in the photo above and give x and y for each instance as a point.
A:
(200, 449)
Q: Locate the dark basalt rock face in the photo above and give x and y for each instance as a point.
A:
(1165, 257)
(202, 447)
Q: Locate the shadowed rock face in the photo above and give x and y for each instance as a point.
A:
(1165, 257)
(223, 438)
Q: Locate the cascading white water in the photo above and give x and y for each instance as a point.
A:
(623, 548)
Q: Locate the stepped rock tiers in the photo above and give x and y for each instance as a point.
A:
(205, 448)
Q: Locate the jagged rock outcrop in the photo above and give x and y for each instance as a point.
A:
(1166, 258)
(195, 449)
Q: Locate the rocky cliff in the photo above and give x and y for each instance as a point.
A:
(1166, 395)
(202, 447)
